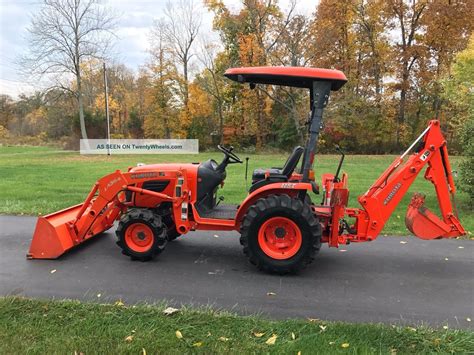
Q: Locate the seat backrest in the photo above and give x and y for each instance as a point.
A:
(292, 161)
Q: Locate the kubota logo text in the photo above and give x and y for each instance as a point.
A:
(392, 193)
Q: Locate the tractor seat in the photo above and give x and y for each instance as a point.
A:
(280, 174)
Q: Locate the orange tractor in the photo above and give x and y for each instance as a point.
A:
(281, 229)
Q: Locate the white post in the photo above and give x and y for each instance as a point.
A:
(107, 109)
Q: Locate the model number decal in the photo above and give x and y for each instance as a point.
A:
(144, 175)
(288, 185)
(392, 193)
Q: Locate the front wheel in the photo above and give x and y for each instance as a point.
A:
(280, 234)
(141, 234)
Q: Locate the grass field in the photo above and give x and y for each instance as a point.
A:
(40, 180)
(66, 327)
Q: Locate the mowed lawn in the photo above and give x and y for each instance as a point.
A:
(41, 180)
(66, 327)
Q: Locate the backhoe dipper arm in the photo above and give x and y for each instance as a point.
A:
(385, 194)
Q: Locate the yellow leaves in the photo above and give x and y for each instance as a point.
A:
(293, 336)
(271, 294)
(178, 334)
(258, 335)
(52, 271)
(403, 242)
(119, 303)
(468, 319)
(272, 340)
(223, 339)
(200, 102)
(323, 327)
(345, 345)
(198, 344)
(129, 339)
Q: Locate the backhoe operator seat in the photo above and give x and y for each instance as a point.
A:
(277, 174)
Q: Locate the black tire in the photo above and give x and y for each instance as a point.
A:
(150, 219)
(171, 232)
(281, 206)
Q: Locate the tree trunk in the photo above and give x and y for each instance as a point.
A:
(403, 99)
(80, 102)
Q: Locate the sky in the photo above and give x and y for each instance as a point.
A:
(134, 23)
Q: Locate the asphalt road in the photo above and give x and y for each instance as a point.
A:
(385, 281)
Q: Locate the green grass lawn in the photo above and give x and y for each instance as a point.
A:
(67, 327)
(36, 180)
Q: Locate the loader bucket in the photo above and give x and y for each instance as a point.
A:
(422, 222)
(54, 234)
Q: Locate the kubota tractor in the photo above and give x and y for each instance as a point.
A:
(281, 229)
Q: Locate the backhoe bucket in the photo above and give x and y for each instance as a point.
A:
(422, 222)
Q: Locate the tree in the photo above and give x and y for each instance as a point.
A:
(62, 36)
(407, 17)
(177, 31)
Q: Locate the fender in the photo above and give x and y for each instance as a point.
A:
(288, 188)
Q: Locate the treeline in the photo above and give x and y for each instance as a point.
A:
(407, 61)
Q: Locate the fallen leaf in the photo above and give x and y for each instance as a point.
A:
(313, 320)
(344, 345)
(445, 327)
(332, 342)
(119, 303)
(216, 236)
(198, 344)
(170, 310)
(98, 295)
(323, 327)
(299, 353)
(342, 250)
(134, 331)
(271, 340)
(258, 335)
(403, 242)
(468, 319)
(143, 351)
(179, 335)
(271, 294)
(398, 216)
(460, 247)
(446, 259)
(393, 351)
(53, 271)
(293, 336)
(129, 339)
(412, 329)
(223, 339)
(209, 334)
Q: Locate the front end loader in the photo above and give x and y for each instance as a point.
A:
(281, 228)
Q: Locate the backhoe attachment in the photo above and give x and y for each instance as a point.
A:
(385, 194)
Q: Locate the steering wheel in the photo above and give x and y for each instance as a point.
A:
(233, 158)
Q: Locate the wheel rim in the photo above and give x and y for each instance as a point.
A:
(280, 238)
(139, 237)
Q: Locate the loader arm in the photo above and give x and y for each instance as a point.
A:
(385, 194)
(60, 231)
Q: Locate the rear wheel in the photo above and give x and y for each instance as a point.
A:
(141, 234)
(280, 234)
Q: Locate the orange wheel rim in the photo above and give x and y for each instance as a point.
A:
(139, 237)
(280, 238)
